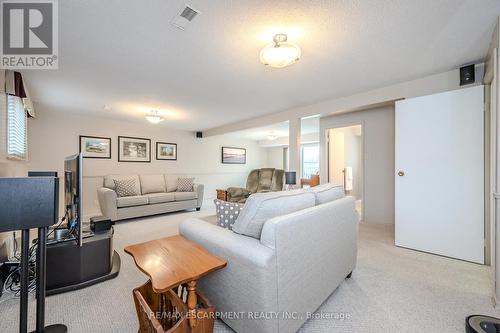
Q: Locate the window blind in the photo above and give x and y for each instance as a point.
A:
(17, 143)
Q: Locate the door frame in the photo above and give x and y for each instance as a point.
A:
(326, 151)
(491, 82)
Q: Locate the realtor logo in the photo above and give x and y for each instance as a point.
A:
(29, 34)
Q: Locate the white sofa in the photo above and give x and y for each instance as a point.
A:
(289, 265)
(158, 194)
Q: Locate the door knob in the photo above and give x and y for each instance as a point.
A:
(401, 173)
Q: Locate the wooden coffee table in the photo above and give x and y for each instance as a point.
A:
(172, 261)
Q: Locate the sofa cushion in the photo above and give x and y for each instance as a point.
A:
(137, 200)
(181, 196)
(126, 187)
(227, 213)
(171, 182)
(152, 183)
(109, 181)
(261, 207)
(185, 184)
(160, 197)
(327, 192)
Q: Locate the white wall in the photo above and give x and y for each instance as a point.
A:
(378, 147)
(54, 135)
(352, 154)
(275, 157)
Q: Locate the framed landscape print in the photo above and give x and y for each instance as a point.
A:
(232, 155)
(134, 149)
(166, 151)
(95, 146)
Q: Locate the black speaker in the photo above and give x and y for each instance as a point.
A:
(100, 224)
(467, 74)
(42, 174)
(199, 134)
(28, 202)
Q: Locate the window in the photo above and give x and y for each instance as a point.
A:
(310, 160)
(17, 143)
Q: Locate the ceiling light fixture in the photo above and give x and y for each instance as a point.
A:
(271, 137)
(153, 117)
(281, 53)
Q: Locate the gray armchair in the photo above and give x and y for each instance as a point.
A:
(259, 180)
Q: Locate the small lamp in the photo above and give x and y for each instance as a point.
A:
(290, 179)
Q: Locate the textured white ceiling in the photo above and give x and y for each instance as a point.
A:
(280, 130)
(125, 53)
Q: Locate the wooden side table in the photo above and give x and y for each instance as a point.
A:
(221, 194)
(172, 261)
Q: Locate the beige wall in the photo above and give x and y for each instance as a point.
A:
(378, 147)
(52, 136)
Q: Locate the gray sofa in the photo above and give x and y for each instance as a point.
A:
(290, 267)
(158, 194)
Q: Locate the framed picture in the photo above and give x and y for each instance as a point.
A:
(232, 155)
(166, 151)
(134, 149)
(95, 146)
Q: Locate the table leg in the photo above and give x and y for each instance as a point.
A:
(192, 301)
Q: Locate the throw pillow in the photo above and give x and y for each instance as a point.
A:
(125, 187)
(327, 193)
(185, 184)
(261, 207)
(227, 213)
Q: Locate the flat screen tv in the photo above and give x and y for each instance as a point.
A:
(73, 169)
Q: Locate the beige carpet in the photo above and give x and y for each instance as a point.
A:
(391, 290)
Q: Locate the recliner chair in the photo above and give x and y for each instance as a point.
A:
(259, 180)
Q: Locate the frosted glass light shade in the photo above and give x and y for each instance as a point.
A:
(153, 117)
(280, 55)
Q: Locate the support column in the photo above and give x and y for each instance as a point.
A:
(294, 134)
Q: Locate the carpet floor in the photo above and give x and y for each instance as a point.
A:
(391, 290)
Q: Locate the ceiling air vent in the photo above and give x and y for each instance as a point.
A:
(186, 15)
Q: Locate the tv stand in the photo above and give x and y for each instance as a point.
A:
(71, 267)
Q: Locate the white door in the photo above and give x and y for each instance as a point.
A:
(440, 174)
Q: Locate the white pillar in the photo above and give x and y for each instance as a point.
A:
(294, 146)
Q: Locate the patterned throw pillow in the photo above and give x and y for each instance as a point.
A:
(125, 187)
(185, 184)
(227, 213)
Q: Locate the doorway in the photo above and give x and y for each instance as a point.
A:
(346, 162)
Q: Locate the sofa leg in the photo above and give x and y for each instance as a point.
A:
(349, 275)
(198, 209)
